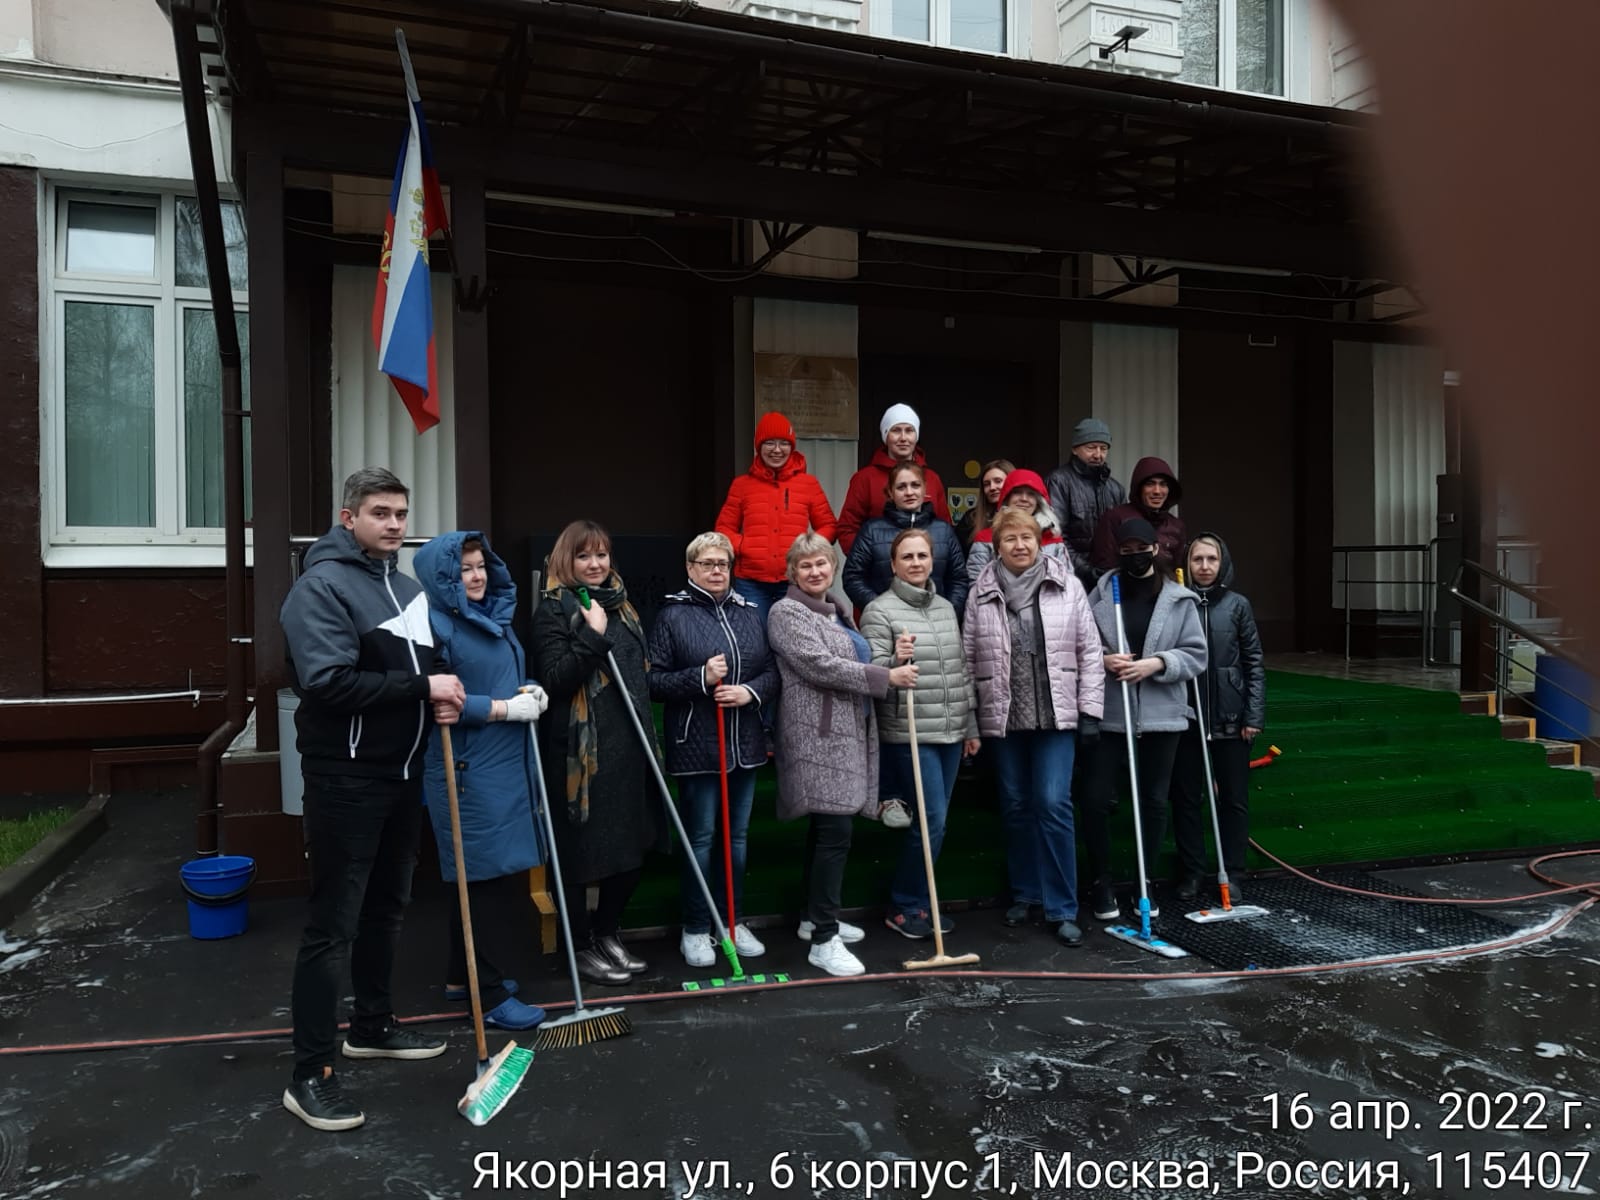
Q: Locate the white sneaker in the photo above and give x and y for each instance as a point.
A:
(746, 943)
(832, 957)
(848, 933)
(895, 815)
(697, 949)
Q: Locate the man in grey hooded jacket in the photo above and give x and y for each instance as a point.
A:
(361, 658)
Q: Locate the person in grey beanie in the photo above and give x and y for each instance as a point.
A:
(1082, 490)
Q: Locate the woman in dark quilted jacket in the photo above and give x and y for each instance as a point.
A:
(1233, 690)
(867, 571)
(770, 505)
(709, 662)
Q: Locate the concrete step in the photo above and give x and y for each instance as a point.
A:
(1478, 704)
(1517, 729)
(1558, 753)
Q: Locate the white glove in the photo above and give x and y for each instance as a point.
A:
(527, 705)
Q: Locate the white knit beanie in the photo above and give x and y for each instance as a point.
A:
(898, 414)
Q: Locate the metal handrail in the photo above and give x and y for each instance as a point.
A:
(1586, 738)
(1425, 550)
(1505, 624)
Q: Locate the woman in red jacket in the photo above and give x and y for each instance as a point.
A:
(766, 509)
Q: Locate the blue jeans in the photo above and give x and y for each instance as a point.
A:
(909, 892)
(700, 804)
(1033, 774)
(762, 595)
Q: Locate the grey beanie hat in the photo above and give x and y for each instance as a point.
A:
(1090, 430)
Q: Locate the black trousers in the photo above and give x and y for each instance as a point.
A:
(362, 837)
(499, 914)
(1230, 767)
(1107, 766)
(615, 892)
(822, 873)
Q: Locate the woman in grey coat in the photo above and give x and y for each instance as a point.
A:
(827, 738)
(911, 622)
(1166, 649)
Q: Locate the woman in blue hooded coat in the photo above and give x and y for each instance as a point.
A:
(471, 600)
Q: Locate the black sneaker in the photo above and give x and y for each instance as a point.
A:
(912, 925)
(1103, 901)
(1019, 913)
(321, 1103)
(1069, 934)
(1150, 893)
(393, 1042)
(1189, 887)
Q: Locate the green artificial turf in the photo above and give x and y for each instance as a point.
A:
(21, 834)
(1369, 771)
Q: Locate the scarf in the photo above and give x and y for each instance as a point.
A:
(582, 738)
(1020, 592)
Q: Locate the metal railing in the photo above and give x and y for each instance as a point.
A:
(1425, 551)
(1506, 629)
(300, 543)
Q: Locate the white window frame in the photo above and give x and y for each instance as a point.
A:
(1228, 51)
(880, 22)
(169, 541)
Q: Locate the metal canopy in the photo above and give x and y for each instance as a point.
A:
(725, 114)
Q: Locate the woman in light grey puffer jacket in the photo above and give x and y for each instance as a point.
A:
(911, 622)
(1166, 649)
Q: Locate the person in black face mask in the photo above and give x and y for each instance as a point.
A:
(1166, 649)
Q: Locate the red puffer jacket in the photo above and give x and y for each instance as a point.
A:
(865, 496)
(766, 510)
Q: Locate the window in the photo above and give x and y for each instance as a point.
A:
(133, 387)
(989, 26)
(1233, 44)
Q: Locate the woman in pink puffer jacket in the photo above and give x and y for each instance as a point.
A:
(1034, 653)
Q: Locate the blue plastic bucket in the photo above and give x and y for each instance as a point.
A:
(1560, 691)
(216, 887)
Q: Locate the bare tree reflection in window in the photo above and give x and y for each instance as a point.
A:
(1258, 32)
(202, 418)
(109, 353)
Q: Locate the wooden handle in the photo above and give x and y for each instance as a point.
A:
(461, 891)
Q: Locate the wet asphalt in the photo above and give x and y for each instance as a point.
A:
(1465, 1076)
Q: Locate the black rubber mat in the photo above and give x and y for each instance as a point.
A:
(1309, 925)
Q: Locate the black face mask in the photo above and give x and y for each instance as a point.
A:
(1137, 563)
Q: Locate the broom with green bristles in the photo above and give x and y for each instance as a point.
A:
(499, 1077)
(582, 1025)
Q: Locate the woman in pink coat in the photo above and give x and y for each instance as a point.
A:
(1033, 649)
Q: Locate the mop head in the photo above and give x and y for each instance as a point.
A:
(1155, 945)
(715, 985)
(1239, 912)
(940, 960)
(498, 1080)
(582, 1026)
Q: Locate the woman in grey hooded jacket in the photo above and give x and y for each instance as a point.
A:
(1166, 649)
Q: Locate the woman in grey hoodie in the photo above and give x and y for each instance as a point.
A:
(1166, 649)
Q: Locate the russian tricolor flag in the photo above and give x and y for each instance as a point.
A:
(402, 311)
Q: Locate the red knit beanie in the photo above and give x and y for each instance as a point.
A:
(774, 425)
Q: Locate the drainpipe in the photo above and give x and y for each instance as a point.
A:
(197, 124)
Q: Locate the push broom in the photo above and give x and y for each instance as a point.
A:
(499, 1077)
(724, 934)
(1141, 937)
(940, 958)
(1229, 911)
(583, 1024)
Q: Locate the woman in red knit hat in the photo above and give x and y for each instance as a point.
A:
(767, 508)
(1023, 489)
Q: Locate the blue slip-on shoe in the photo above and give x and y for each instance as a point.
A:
(512, 1013)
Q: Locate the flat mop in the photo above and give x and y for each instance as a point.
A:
(583, 1024)
(724, 934)
(1141, 937)
(940, 958)
(498, 1078)
(1228, 911)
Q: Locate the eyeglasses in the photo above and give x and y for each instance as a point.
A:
(775, 444)
(712, 564)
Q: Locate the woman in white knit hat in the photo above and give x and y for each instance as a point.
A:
(901, 430)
